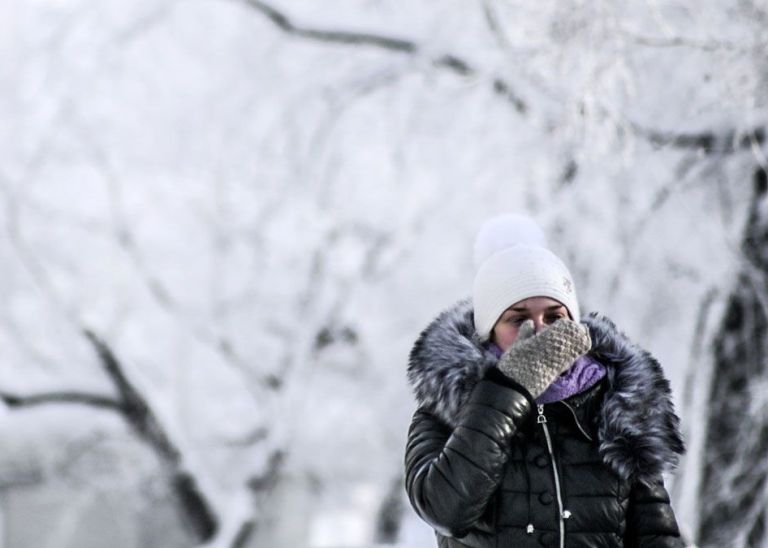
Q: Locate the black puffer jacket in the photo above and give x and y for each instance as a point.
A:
(486, 467)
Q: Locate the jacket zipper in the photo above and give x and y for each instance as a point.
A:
(562, 514)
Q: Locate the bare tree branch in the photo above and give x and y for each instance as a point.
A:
(126, 240)
(449, 62)
(92, 400)
(707, 142)
(338, 37)
(261, 486)
(133, 407)
(680, 42)
(389, 516)
(195, 509)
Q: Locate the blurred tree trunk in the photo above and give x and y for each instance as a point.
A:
(389, 518)
(734, 487)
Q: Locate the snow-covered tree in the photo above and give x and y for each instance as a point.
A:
(225, 222)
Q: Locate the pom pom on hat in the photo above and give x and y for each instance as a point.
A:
(504, 231)
(513, 264)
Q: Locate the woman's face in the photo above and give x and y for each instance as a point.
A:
(542, 310)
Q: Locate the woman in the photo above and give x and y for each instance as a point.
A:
(536, 427)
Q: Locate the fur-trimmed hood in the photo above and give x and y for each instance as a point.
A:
(638, 429)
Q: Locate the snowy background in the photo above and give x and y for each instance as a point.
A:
(224, 222)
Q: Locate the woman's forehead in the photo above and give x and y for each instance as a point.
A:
(535, 303)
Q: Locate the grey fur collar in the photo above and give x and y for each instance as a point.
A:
(638, 431)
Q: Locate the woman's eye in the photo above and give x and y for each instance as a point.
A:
(518, 320)
(554, 317)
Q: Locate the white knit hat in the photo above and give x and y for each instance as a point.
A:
(513, 264)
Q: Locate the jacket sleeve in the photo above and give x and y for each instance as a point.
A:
(451, 474)
(651, 521)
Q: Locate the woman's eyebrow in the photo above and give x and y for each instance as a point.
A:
(524, 309)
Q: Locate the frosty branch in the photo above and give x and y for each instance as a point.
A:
(134, 409)
(260, 486)
(707, 142)
(134, 406)
(127, 241)
(680, 42)
(195, 509)
(334, 36)
(92, 400)
(450, 62)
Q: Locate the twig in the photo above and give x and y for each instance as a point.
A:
(133, 407)
(447, 61)
(194, 508)
(260, 486)
(338, 37)
(707, 142)
(84, 398)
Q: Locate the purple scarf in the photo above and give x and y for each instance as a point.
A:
(584, 373)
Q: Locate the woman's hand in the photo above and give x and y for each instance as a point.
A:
(534, 361)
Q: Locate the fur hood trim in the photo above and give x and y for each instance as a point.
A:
(638, 430)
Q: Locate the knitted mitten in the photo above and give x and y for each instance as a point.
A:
(534, 361)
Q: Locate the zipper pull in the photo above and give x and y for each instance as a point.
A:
(542, 419)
